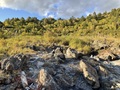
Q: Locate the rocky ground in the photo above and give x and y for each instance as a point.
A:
(61, 68)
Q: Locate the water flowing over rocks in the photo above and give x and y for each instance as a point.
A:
(58, 68)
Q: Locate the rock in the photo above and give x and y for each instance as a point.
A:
(24, 60)
(90, 74)
(47, 56)
(107, 55)
(3, 63)
(116, 49)
(5, 79)
(15, 62)
(64, 80)
(85, 57)
(24, 79)
(6, 65)
(115, 63)
(59, 55)
(81, 84)
(71, 53)
(9, 67)
(103, 72)
(42, 71)
(109, 76)
(98, 45)
(40, 64)
(47, 81)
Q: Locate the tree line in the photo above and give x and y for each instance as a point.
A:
(101, 23)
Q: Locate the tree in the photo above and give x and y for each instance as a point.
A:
(1, 24)
(94, 15)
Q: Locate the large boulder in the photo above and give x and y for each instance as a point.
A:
(15, 62)
(47, 81)
(90, 74)
(62, 77)
(110, 75)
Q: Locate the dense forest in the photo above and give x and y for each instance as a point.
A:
(78, 33)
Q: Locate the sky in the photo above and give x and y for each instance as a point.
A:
(54, 8)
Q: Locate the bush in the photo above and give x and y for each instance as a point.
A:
(77, 43)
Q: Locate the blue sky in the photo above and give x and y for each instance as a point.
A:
(53, 8)
(10, 13)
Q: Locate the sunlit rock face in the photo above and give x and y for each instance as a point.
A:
(53, 70)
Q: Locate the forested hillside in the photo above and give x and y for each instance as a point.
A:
(78, 33)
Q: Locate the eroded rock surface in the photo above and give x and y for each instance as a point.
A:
(52, 70)
(90, 74)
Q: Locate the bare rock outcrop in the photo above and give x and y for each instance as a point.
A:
(53, 71)
(70, 53)
(47, 81)
(107, 55)
(90, 74)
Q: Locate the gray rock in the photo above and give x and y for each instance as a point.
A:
(15, 62)
(70, 53)
(43, 72)
(59, 55)
(47, 81)
(90, 74)
(107, 55)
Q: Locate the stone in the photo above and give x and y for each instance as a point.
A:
(98, 45)
(16, 62)
(43, 73)
(81, 84)
(107, 55)
(71, 53)
(3, 63)
(24, 79)
(90, 74)
(47, 81)
(59, 55)
(116, 63)
(9, 67)
(103, 72)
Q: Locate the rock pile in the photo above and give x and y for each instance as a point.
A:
(59, 70)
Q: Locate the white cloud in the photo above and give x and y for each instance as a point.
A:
(61, 8)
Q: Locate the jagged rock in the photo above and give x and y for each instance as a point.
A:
(90, 74)
(15, 62)
(63, 77)
(81, 84)
(107, 55)
(64, 80)
(47, 81)
(3, 63)
(9, 67)
(97, 45)
(116, 49)
(70, 53)
(42, 67)
(103, 72)
(110, 78)
(59, 55)
(47, 56)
